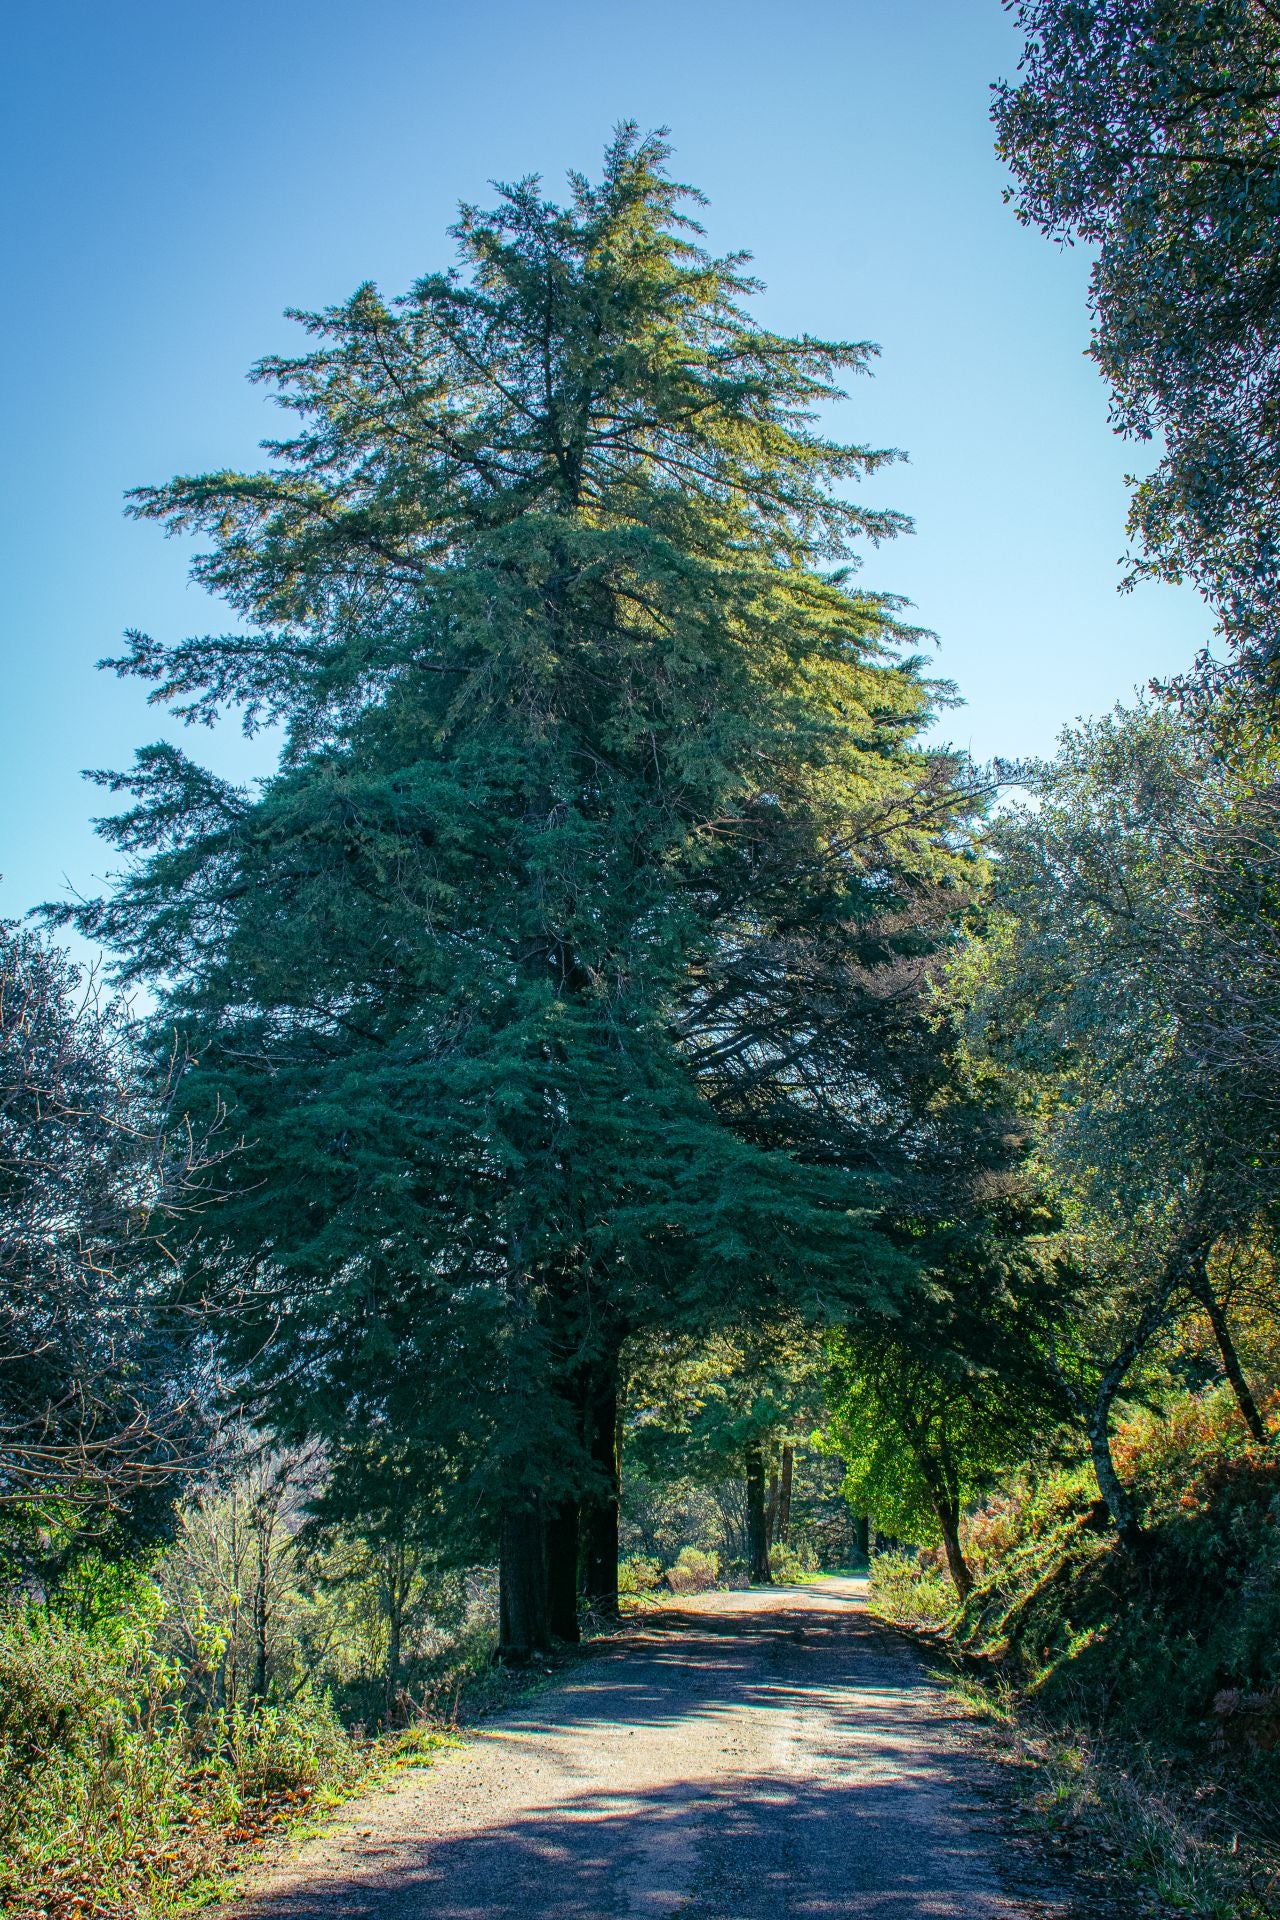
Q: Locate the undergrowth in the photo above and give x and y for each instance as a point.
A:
(1140, 1691)
(116, 1799)
(122, 1797)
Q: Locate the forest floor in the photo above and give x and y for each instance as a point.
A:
(772, 1755)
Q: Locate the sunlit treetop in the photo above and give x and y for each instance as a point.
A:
(591, 365)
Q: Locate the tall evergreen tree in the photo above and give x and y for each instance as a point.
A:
(551, 594)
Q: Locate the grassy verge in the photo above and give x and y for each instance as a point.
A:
(160, 1839)
(1150, 1837)
(120, 1801)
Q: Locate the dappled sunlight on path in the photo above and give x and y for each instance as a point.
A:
(763, 1756)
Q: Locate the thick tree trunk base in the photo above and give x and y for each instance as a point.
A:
(562, 1572)
(600, 1516)
(523, 1627)
(600, 1572)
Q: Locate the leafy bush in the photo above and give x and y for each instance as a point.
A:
(694, 1571)
(910, 1592)
(639, 1573)
(111, 1783)
(789, 1565)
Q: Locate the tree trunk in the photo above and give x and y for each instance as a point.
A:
(1208, 1299)
(784, 1493)
(949, 1521)
(522, 1586)
(771, 1511)
(936, 1465)
(259, 1646)
(600, 1513)
(1096, 1419)
(562, 1571)
(261, 1615)
(862, 1536)
(1110, 1485)
(757, 1541)
(397, 1594)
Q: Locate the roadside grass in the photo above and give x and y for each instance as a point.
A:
(119, 1801)
(1152, 1834)
(1152, 1840)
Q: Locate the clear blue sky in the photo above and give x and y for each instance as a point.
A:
(177, 175)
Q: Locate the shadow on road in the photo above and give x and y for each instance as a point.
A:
(806, 1770)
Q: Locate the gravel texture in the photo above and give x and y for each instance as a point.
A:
(753, 1756)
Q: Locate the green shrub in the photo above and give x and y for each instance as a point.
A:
(639, 1573)
(110, 1781)
(694, 1571)
(791, 1565)
(909, 1591)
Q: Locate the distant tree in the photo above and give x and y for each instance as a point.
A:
(592, 745)
(99, 1408)
(928, 1407)
(1150, 130)
(729, 1407)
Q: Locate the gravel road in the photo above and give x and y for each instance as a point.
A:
(754, 1756)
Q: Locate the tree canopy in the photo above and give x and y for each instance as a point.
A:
(1149, 129)
(602, 781)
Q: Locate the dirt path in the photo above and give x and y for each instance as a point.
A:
(756, 1756)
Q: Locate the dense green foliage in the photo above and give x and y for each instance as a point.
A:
(529, 979)
(1106, 989)
(927, 1414)
(729, 1425)
(1169, 1634)
(1148, 129)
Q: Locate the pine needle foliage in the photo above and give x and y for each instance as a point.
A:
(552, 594)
